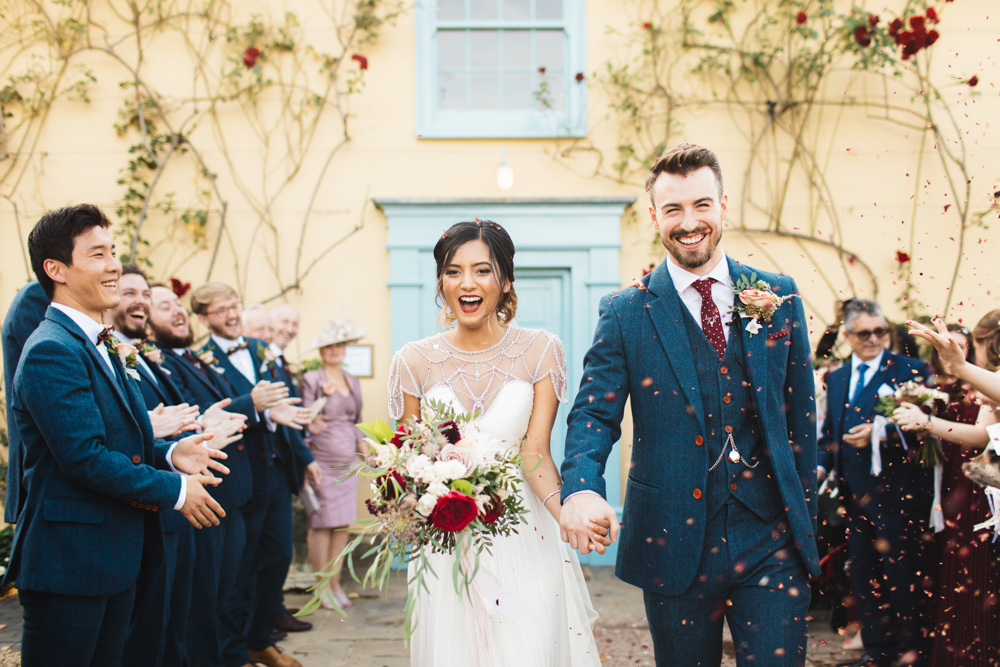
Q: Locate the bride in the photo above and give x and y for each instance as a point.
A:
(528, 604)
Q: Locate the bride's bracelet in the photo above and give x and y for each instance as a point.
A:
(551, 494)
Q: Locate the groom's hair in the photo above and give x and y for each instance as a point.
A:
(54, 237)
(681, 160)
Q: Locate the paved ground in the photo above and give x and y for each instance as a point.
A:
(372, 636)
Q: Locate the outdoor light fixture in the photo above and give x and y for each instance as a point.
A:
(505, 173)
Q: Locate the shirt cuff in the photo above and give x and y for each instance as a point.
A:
(271, 426)
(182, 498)
(821, 469)
(170, 460)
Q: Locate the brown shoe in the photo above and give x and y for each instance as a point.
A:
(273, 657)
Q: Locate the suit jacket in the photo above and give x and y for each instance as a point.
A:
(292, 442)
(26, 312)
(89, 512)
(200, 385)
(903, 482)
(641, 350)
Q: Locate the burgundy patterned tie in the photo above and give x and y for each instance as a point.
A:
(711, 322)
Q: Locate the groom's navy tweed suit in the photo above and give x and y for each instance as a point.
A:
(90, 510)
(692, 538)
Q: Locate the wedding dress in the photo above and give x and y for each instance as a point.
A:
(528, 604)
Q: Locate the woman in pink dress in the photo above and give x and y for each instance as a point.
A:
(334, 440)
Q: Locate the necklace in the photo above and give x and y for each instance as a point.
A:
(500, 342)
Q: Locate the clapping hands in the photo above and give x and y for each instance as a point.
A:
(171, 420)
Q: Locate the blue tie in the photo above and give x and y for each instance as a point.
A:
(862, 369)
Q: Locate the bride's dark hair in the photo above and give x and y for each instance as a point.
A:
(501, 249)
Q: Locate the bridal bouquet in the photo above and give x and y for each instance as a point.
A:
(931, 402)
(438, 485)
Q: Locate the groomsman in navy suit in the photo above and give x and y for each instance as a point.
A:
(720, 506)
(26, 312)
(90, 509)
(219, 550)
(268, 515)
(887, 513)
(158, 628)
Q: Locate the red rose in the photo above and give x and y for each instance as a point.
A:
(902, 257)
(362, 60)
(179, 288)
(580, 77)
(493, 510)
(250, 56)
(974, 81)
(389, 490)
(801, 18)
(400, 436)
(916, 22)
(873, 20)
(861, 36)
(932, 37)
(932, 15)
(454, 511)
(895, 26)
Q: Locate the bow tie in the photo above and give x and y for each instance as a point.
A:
(105, 335)
(236, 348)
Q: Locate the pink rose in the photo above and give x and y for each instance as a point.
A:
(124, 350)
(154, 355)
(758, 298)
(463, 455)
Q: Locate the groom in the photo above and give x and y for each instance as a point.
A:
(719, 516)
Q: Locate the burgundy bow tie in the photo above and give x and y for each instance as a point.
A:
(105, 335)
(236, 348)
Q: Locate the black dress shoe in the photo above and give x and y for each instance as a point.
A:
(292, 611)
(288, 623)
(278, 635)
(868, 660)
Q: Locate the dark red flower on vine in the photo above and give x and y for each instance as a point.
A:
(974, 81)
(647, 25)
(179, 288)
(902, 257)
(916, 22)
(932, 15)
(801, 18)
(541, 70)
(873, 20)
(362, 60)
(894, 27)
(861, 36)
(250, 56)
(932, 37)
(580, 77)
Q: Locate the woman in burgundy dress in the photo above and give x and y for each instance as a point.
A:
(334, 441)
(967, 624)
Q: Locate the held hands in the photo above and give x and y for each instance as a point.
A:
(581, 519)
(268, 394)
(287, 413)
(199, 508)
(950, 353)
(194, 458)
(173, 419)
(911, 418)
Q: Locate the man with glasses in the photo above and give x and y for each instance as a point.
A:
(886, 494)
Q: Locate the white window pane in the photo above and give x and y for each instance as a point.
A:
(516, 10)
(549, 10)
(550, 93)
(485, 90)
(516, 49)
(451, 49)
(451, 90)
(549, 49)
(517, 92)
(485, 10)
(451, 10)
(484, 45)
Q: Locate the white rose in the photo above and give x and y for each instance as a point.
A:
(449, 470)
(426, 504)
(437, 489)
(383, 455)
(418, 466)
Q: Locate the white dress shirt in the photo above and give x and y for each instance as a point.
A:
(244, 363)
(92, 329)
(722, 290)
(873, 366)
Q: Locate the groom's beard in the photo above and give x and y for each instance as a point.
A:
(685, 258)
(170, 341)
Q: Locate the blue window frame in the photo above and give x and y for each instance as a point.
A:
(500, 68)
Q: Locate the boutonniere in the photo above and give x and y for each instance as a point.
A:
(126, 354)
(153, 355)
(209, 360)
(267, 359)
(755, 300)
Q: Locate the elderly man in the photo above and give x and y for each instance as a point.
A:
(257, 323)
(887, 509)
(286, 324)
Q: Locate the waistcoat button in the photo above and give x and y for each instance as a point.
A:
(137, 459)
(723, 370)
(697, 494)
(727, 399)
(728, 429)
(733, 486)
(698, 440)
